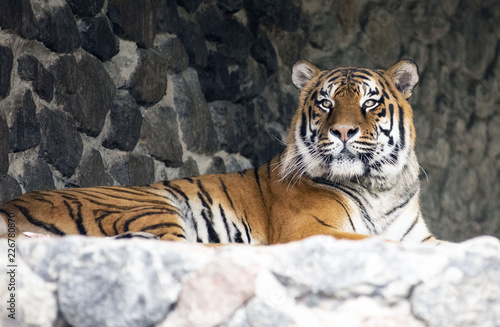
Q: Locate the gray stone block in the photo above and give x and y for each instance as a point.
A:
(168, 19)
(216, 166)
(86, 8)
(17, 15)
(134, 20)
(160, 135)
(31, 171)
(214, 78)
(192, 38)
(4, 147)
(65, 153)
(6, 62)
(196, 123)
(263, 52)
(9, 188)
(91, 170)
(148, 83)
(98, 38)
(84, 90)
(125, 123)
(30, 69)
(132, 169)
(56, 26)
(231, 6)
(24, 130)
(189, 169)
(189, 5)
(222, 115)
(176, 56)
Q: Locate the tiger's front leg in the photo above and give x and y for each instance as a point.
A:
(308, 226)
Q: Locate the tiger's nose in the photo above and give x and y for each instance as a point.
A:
(344, 132)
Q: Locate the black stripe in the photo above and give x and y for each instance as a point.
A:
(204, 191)
(207, 215)
(171, 193)
(322, 222)
(347, 213)
(366, 217)
(247, 227)
(176, 189)
(99, 215)
(269, 170)
(78, 219)
(41, 198)
(237, 236)
(134, 235)
(303, 126)
(257, 178)
(179, 235)
(224, 188)
(224, 220)
(162, 225)
(391, 113)
(107, 195)
(401, 128)
(427, 238)
(145, 214)
(402, 204)
(370, 144)
(32, 220)
(411, 227)
(212, 234)
(137, 191)
(115, 228)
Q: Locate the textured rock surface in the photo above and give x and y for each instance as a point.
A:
(125, 121)
(194, 116)
(24, 129)
(159, 135)
(98, 38)
(84, 90)
(134, 20)
(316, 282)
(66, 154)
(229, 91)
(56, 25)
(6, 62)
(30, 69)
(149, 81)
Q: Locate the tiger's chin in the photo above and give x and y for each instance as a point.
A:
(341, 169)
(350, 169)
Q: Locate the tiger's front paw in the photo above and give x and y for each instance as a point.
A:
(144, 235)
(34, 235)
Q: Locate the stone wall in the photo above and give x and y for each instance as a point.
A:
(78, 281)
(115, 92)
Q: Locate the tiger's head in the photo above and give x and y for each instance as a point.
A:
(353, 124)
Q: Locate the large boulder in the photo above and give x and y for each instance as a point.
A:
(319, 281)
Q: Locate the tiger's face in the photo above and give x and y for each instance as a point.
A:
(352, 123)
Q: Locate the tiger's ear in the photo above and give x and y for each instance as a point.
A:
(404, 75)
(303, 71)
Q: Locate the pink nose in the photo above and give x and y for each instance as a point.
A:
(344, 132)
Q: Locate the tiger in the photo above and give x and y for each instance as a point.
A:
(348, 170)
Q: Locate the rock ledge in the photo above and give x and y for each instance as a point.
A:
(319, 281)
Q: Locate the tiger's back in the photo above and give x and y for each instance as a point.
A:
(349, 171)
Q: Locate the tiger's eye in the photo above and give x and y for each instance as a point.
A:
(369, 103)
(326, 103)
